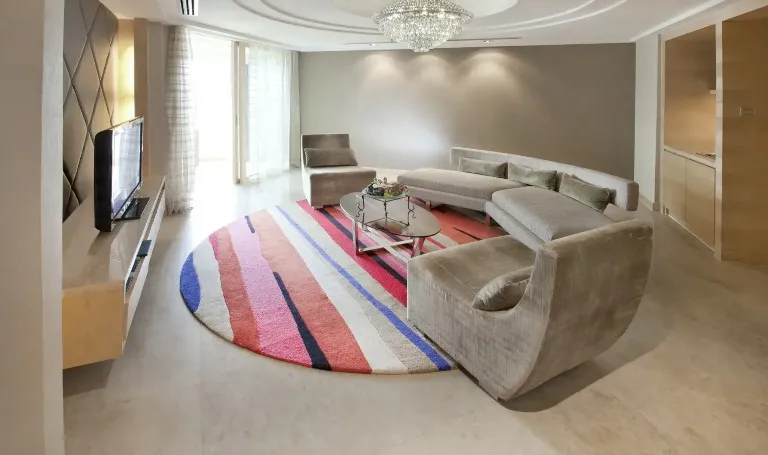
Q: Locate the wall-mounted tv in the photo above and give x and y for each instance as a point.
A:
(118, 153)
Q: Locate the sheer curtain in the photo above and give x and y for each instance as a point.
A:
(180, 110)
(271, 116)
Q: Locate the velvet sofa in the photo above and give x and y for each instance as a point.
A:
(583, 292)
(532, 215)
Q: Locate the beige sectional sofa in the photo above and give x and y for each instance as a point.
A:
(532, 215)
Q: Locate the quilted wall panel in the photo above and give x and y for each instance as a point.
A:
(89, 32)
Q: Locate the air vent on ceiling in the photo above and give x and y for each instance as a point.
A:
(188, 7)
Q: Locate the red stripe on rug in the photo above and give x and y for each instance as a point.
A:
(319, 314)
(366, 240)
(397, 289)
(452, 220)
(241, 317)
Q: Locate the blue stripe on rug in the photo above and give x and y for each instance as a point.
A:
(316, 354)
(373, 254)
(190, 284)
(422, 344)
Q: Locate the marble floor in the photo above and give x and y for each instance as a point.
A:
(689, 377)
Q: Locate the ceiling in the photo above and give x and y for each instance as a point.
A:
(335, 25)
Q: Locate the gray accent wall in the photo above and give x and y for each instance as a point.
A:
(573, 104)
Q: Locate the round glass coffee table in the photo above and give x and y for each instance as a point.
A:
(400, 217)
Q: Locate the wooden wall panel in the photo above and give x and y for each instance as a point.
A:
(743, 202)
(689, 78)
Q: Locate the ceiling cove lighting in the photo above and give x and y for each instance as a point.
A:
(422, 25)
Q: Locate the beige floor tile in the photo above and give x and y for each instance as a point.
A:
(689, 377)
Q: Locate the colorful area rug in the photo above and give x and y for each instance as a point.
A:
(286, 283)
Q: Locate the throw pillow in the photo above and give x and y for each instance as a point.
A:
(503, 292)
(329, 157)
(593, 196)
(489, 168)
(533, 177)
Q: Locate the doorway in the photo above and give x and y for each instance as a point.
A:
(214, 82)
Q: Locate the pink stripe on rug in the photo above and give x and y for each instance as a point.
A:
(319, 314)
(278, 333)
(241, 317)
(366, 262)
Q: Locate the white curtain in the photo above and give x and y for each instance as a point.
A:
(180, 110)
(271, 115)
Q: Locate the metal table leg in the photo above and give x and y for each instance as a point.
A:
(355, 243)
(418, 247)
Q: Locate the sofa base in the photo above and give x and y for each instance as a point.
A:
(436, 198)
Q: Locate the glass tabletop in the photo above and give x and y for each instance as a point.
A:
(403, 217)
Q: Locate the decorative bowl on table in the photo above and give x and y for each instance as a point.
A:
(382, 189)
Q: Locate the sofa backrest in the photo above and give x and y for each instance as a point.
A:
(625, 193)
(323, 141)
(588, 287)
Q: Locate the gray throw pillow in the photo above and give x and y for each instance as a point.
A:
(533, 177)
(593, 196)
(489, 168)
(329, 157)
(503, 292)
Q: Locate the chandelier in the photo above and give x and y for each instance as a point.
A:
(422, 24)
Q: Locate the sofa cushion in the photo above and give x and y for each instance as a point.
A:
(534, 177)
(547, 214)
(335, 172)
(329, 157)
(480, 167)
(591, 195)
(455, 182)
(503, 292)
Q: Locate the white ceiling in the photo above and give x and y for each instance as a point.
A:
(333, 25)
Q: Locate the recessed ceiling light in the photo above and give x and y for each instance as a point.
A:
(373, 44)
(487, 41)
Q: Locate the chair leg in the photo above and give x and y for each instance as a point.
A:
(429, 205)
(488, 219)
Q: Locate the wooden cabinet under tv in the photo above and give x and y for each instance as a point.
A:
(103, 277)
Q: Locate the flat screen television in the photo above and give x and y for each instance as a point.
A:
(117, 157)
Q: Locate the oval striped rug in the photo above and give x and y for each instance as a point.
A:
(286, 283)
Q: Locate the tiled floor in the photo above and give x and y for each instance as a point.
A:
(690, 376)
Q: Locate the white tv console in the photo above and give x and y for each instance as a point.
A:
(99, 302)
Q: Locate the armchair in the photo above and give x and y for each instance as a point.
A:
(325, 181)
(583, 293)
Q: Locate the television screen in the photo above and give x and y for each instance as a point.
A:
(116, 171)
(126, 164)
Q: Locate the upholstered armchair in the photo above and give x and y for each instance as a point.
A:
(329, 169)
(583, 293)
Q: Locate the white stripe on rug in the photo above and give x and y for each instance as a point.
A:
(380, 357)
(212, 309)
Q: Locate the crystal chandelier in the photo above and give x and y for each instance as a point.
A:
(422, 24)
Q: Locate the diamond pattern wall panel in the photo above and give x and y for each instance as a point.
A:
(89, 31)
